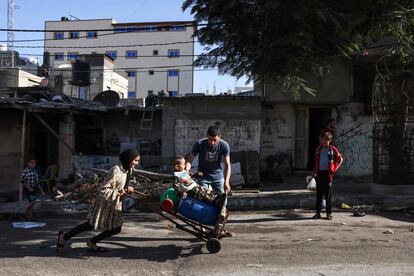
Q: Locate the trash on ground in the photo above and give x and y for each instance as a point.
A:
(255, 265)
(388, 231)
(345, 206)
(28, 224)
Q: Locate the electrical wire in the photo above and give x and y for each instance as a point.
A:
(138, 56)
(128, 25)
(103, 46)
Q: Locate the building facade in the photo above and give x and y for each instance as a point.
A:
(154, 56)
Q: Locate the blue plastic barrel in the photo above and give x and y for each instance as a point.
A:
(199, 211)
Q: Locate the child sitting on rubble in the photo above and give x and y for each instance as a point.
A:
(187, 186)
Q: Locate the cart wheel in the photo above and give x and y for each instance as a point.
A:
(213, 245)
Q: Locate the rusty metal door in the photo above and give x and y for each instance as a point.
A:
(301, 138)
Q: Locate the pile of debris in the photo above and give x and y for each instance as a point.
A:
(84, 187)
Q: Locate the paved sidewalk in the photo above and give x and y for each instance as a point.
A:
(291, 194)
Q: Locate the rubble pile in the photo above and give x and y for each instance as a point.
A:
(85, 186)
(152, 184)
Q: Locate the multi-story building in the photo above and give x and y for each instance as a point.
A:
(155, 56)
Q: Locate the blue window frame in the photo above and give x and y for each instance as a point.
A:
(173, 93)
(172, 53)
(173, 73)
(131, 29)
(74, 35)
(131, 73)
(131, 54)
(72, 56)
(58, 35)
(91, 34)
(120, 30)
(148, 28)
(59, 56)
(131, 94)
(83, 92)
(112, 54)
(178, 28)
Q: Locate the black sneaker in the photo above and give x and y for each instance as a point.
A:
(317, 216)
(329, 217)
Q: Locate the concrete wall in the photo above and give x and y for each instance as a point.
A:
(354, 139)
(108, 41)
(277, 130)
(17, 78)
(10, 142)
(353, 135)
(332, 82)
(242, 135)
(101, 78)
(66, 133)
(185, 120)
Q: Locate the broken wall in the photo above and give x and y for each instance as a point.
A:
(185, 120)
(10, 143)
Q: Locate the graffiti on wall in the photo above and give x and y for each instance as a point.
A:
(242, 135)
(277, 131)
(354, 140)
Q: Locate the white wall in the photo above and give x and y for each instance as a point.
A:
(145, 82)
(354, 140)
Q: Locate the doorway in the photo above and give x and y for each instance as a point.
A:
(318, 119)
(308, 123)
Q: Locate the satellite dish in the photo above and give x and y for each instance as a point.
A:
(107, 98)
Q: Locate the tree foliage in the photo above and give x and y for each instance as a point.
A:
(279, 40)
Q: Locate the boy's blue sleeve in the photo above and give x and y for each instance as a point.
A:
(226, 149)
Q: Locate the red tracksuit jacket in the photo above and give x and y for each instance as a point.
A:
(335, 158)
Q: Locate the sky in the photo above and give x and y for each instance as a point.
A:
(31, 14)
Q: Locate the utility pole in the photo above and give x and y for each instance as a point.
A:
(11, 6)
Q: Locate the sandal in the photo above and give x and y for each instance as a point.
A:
(60, 246)
(95, 248)
(226, 234)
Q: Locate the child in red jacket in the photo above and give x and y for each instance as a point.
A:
(327, 161)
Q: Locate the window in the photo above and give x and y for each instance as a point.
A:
(83, 92)
(173, 73)
(155, 52)
(173, 93)
(74, 35)
(149, 28)
(131, 54)
(91, 34)
(59, 56)
(131, 94)
(111, 54)
(58, 35)
(120, 30)
(131, 29)
(178, 28)
(151, 72)
(72, 56)
(131, 73)
(172, 53)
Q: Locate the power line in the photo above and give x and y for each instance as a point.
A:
(138, 56)
(146, 27)
(137, 69)
(103, 46)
